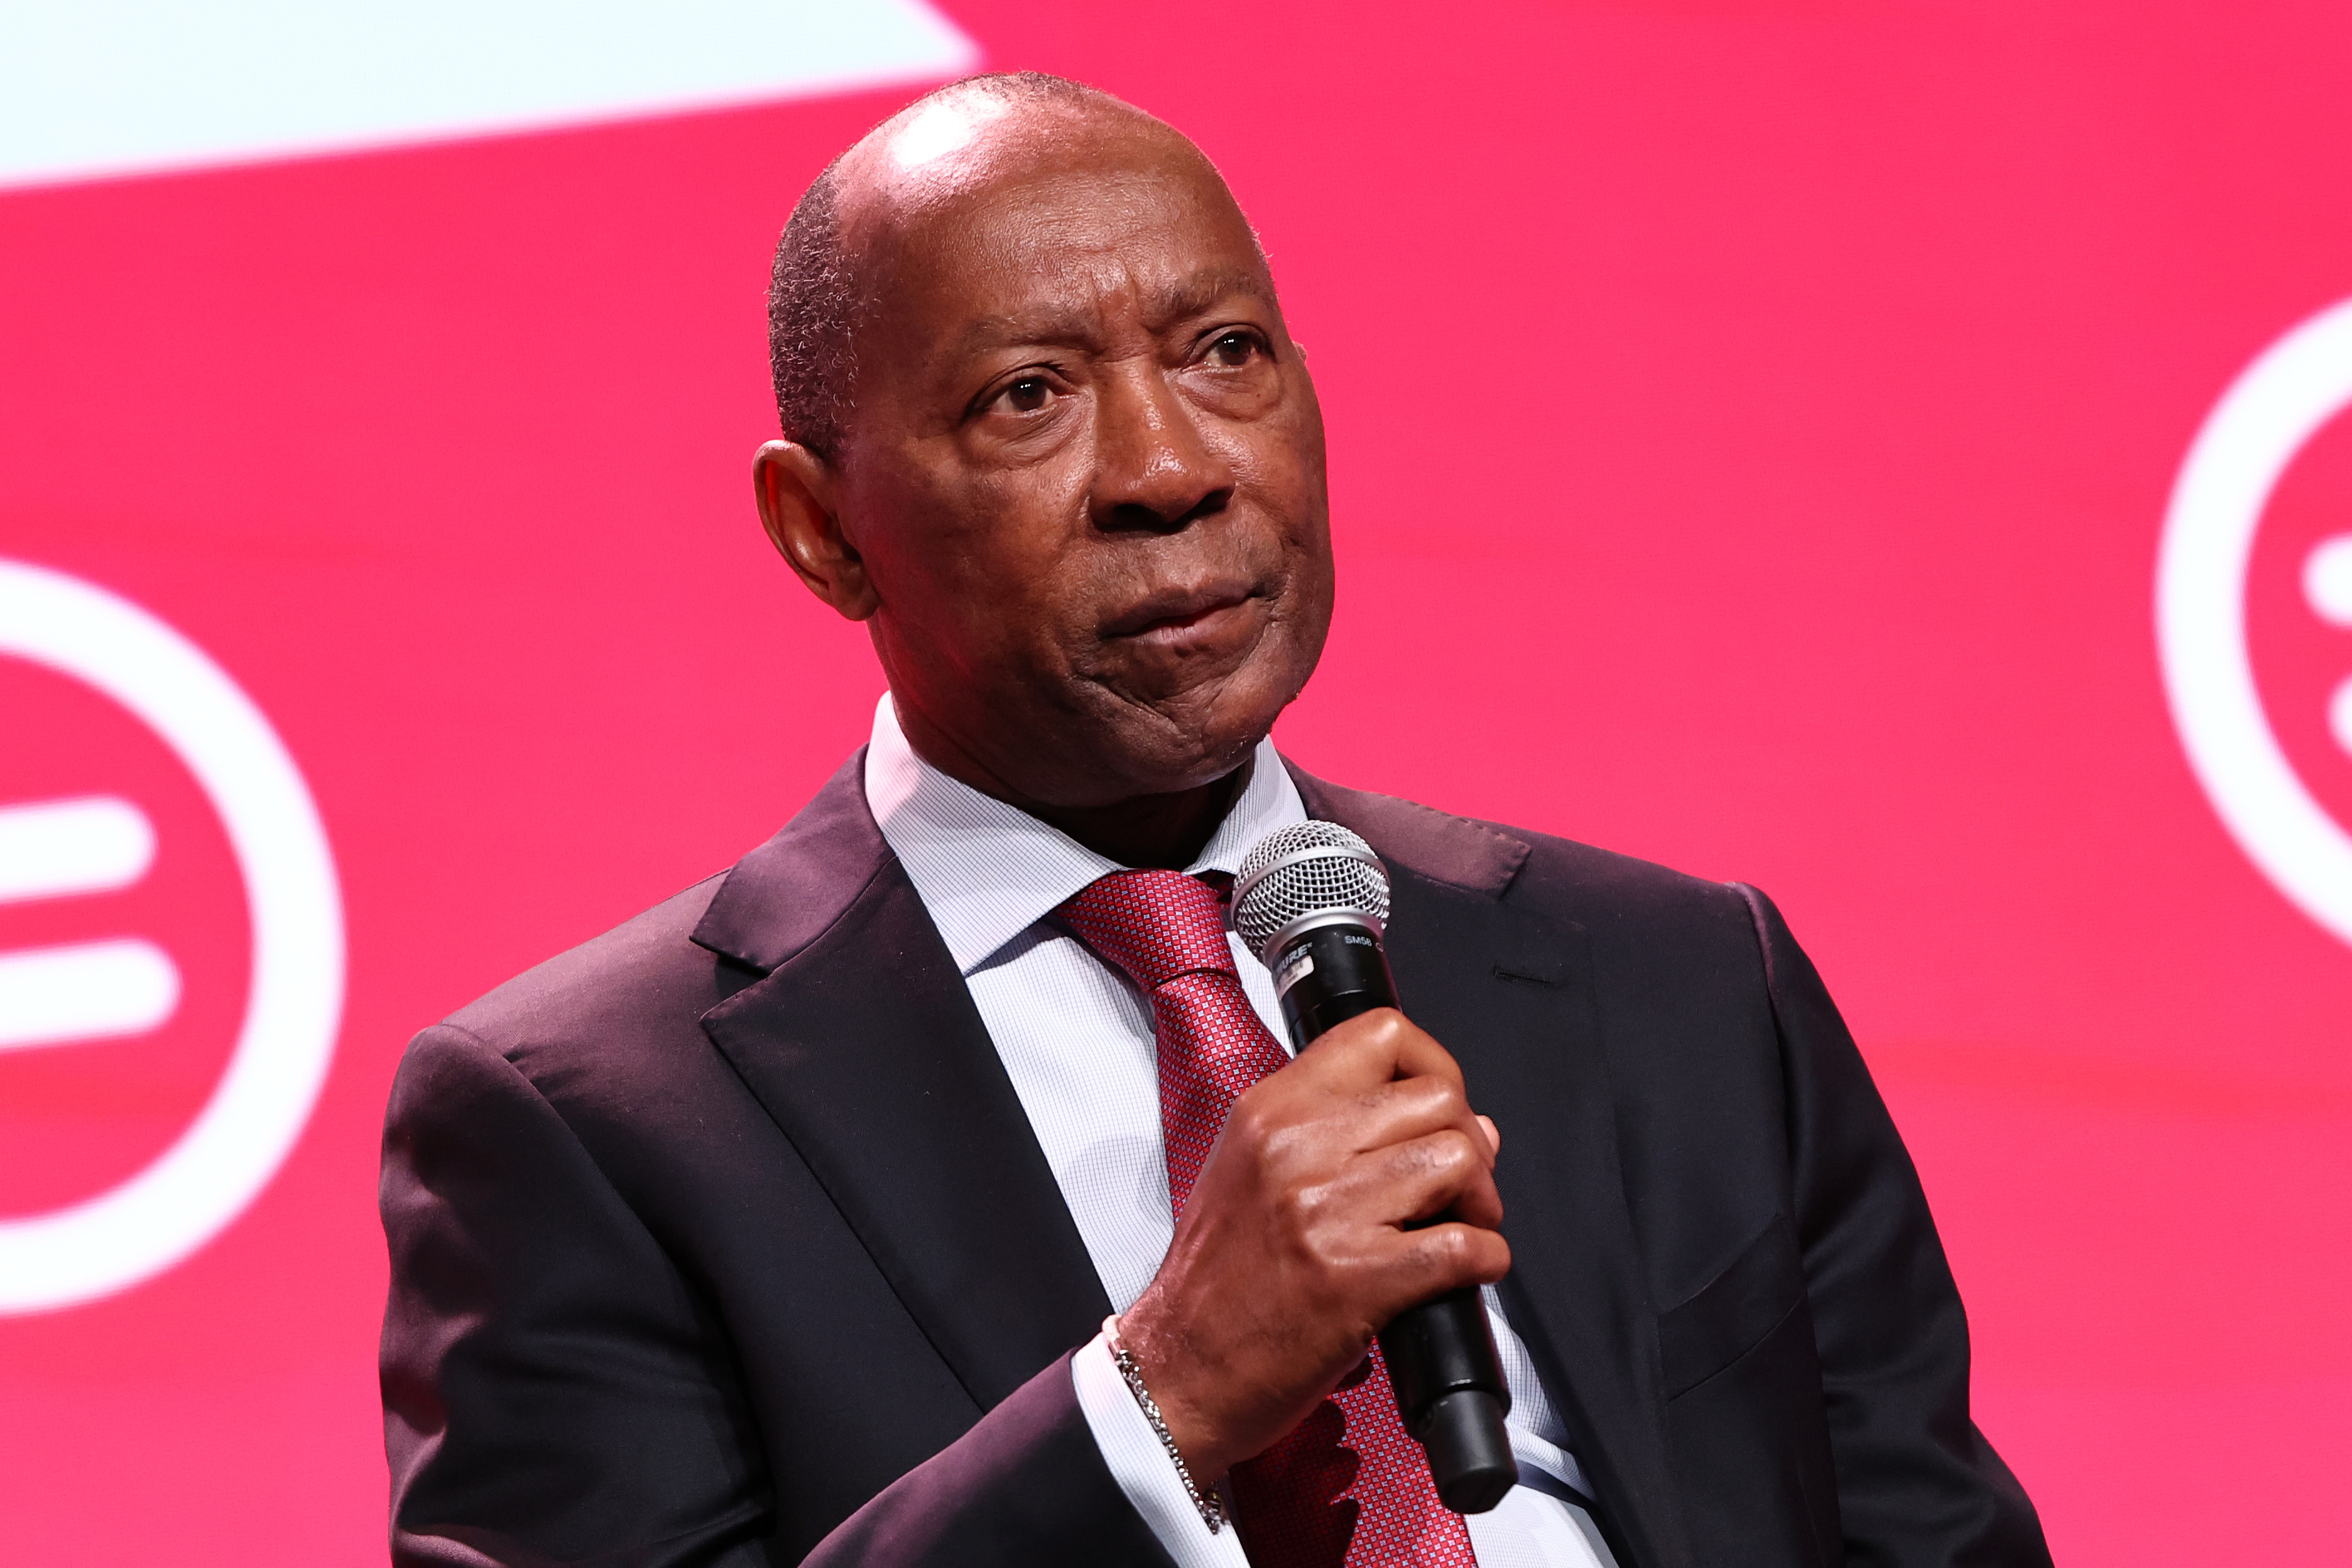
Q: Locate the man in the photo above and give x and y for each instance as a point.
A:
(787, 1221)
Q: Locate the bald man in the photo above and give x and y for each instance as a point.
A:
(933, 1186)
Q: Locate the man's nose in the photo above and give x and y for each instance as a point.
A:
(1153, 472)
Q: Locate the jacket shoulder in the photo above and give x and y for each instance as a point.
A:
(1561, 878)
(640, 981)
(1604, 885)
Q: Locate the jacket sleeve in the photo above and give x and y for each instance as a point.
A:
(1917, 1485)
(554, 1392)
(1027, 1485)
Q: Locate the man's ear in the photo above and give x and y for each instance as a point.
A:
(796, 489)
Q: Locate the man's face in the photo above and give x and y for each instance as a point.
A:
(1085, 470)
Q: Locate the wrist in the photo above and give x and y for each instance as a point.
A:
(1162, 1359)
(1199, 1485)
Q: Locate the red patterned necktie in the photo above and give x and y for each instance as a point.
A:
(1347, 1486)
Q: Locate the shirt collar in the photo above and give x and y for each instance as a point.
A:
(987, 871)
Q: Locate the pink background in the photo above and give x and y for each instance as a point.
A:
(1752, 422)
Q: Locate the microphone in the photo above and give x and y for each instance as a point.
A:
(1311, 901)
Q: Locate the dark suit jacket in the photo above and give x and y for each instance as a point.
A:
(723, 1238)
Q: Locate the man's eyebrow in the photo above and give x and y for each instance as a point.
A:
(1056, 323)
(1202, 292)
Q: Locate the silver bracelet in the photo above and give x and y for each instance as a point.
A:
(1212, 1507)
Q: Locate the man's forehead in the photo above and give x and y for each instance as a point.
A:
(1017, 176)
(1013, 235)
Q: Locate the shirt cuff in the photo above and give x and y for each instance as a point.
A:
(1142, 1466)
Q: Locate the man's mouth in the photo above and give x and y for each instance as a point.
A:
(1180, 615)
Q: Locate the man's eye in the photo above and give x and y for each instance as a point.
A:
(1026, 395)
(1233, 350)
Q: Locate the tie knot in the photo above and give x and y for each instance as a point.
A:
(1156, 925)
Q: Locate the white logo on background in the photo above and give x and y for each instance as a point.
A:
(2269, 412)
(87, 990)
(56, 995)
(89, 88)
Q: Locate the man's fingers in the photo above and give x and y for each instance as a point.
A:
(1409, 1075)
(1420, 1178)
(1375, 1047)
(1409, 1108)
(1357, 1088)
(1424, 1264)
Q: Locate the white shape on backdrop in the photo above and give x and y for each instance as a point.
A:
(89, 991)
(54, 848)
(92, 87)
(2328, 579)
(2277, 404)
(224, 1158)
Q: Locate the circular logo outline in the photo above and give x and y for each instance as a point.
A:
(2267, 414)
(163, 1215)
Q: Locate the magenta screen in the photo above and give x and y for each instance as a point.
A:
(1889, 452)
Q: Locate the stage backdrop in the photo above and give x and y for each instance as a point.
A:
(1883, 449)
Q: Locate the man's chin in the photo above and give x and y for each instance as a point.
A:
(1157, 751)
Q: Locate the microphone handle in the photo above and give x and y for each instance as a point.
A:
(1441, 1354)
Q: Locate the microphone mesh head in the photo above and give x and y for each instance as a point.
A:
(1311, 869)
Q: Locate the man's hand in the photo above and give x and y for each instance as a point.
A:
(1292, 1252)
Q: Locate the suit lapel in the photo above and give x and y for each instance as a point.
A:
(863, 1043)
(1510, 993)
